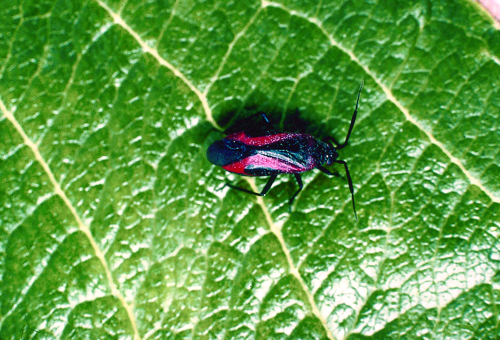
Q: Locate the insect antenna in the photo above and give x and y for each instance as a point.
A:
(353, 119)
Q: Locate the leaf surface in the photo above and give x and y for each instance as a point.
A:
(113, 223)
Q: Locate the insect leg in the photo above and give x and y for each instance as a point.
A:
(268, 123)
(299, 182)
(351, 126)
(351, 188)
(263, 192)
(266, 120)
(328, 172)
(249, 123)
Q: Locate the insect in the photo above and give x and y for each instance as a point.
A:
(275, 153)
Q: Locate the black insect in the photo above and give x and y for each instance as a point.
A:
(276, 153)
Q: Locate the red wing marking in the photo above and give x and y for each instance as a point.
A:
(263, 162)
(263, 140)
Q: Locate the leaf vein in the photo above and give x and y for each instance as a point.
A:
(390, 96)
(81, 225)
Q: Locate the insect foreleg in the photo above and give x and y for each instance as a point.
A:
(328, 172)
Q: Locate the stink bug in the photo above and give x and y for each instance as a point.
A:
(275, 153)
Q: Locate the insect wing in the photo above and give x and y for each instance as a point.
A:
(260, 141)
(282, 160)
(225, 152)
(262, 165)
(285, 153)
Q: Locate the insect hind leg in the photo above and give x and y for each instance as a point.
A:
(264, 191)
(299, 182)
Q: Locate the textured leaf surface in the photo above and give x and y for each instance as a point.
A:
(112, 224)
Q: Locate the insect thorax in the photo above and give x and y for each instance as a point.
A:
(325, 153)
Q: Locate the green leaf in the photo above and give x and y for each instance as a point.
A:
(113, 224)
